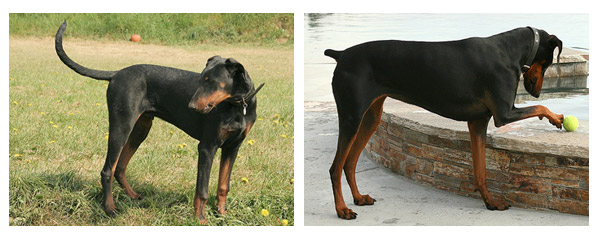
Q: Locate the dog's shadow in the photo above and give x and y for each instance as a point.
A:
(72, 194)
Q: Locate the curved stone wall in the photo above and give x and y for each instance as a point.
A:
(529, 163)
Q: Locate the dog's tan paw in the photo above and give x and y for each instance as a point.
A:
(498, 204)
(364, 200)
(346, 213)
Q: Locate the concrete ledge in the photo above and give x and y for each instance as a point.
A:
(530, 163)
(572, 63)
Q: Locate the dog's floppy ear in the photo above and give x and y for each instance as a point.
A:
(234, 66)
(555, 42)
(241, 80)
(211, 59)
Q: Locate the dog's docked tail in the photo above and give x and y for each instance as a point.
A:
(333, 54)
(92, 73)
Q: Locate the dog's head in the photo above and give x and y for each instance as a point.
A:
(220, 79)
(534, 76)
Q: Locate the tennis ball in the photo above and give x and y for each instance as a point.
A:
(571, 123)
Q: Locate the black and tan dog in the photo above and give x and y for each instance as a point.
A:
(216, 107)
(467, 80)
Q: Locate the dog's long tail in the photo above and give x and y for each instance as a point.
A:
(333, 53)
(92, 73)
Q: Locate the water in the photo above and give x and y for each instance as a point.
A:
(576, 105)
(340, 31)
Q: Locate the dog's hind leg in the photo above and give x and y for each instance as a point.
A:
(352, 102)
(368, 125)
(477, 131)
(116, 140)
(137, 136)
(206, 153)
(345, 139)
(120, 125)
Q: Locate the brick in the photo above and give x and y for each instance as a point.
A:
(569, 206)
(461, 145)
(551, 161)
(409, 170)
(396, 141)
(572, 162)
(521, 169)
(447, 182)
(432, 152)
(425, 167)
(440, 142)
(452, 170)
(534, 159)
(412, 150)
(458, 156)
(383, 124)
(571, 193)
(380, 131)
(416, 136)
(565, 183)
(395, 130)
(396, 154)
(413, 143)
(498, 187)
(395, 163)
(556, 173)
(498, 176)
(529, 199)
(531, 184)
(382, 145)
(497, 159)
(395, 145)
(464, 145)
(424, 179)
(584, 182)
(467, 187)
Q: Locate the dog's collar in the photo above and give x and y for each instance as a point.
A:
(242, 100)
(534, 49)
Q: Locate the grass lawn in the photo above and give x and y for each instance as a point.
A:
(58, 124)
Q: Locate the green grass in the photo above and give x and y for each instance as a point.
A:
(58, 124)
(162, 28)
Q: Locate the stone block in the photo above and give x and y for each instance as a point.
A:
(461, 173)
(556, 173)
(571, 193)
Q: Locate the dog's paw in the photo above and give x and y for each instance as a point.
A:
(499, 205)
(135, 196)
(202, 222)
(364, 200)
(557, 120)
(110, 210)
(221, 210)
(346, 213)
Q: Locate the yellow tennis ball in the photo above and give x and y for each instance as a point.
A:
(570, 123)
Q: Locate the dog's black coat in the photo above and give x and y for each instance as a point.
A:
(470, 80)
(198, 103)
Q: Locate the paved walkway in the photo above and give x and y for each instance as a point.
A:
(399, 201)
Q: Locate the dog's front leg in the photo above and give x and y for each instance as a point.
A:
(515, 114)
(478, 133)
(205, 159)
(228, 156)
